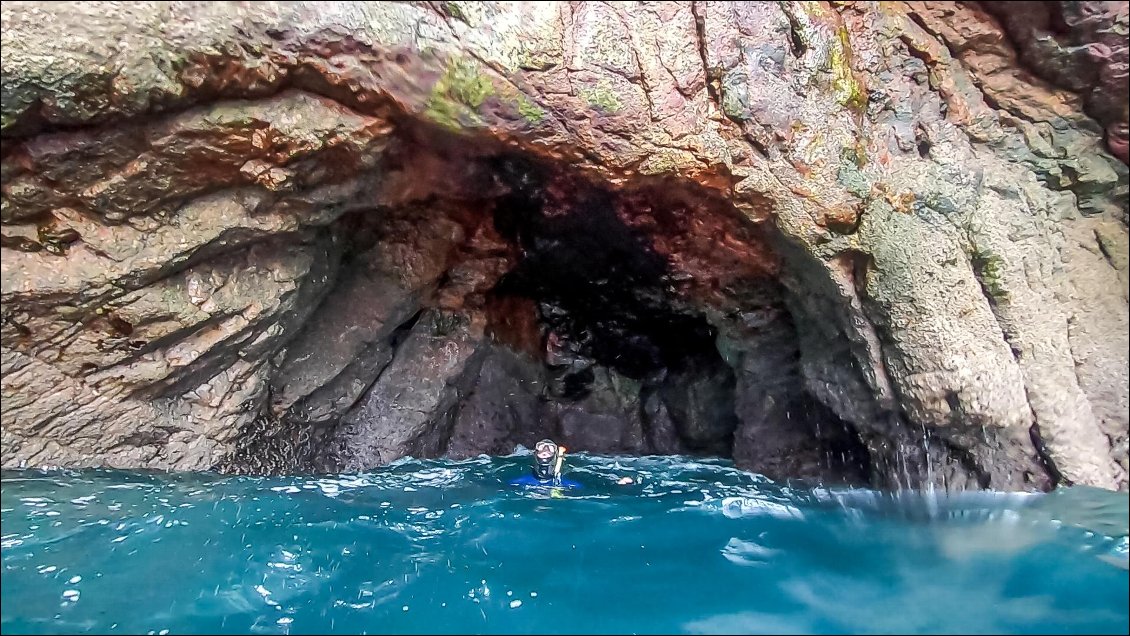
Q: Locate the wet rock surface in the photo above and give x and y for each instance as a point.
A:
(850, 242)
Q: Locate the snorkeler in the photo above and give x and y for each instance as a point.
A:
(548, 461)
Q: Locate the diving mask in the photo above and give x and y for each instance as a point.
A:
(548, 458)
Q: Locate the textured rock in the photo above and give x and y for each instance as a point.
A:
(501, 407)
(1083, 47)
(347, 342)
(405, 408)
(860, 241)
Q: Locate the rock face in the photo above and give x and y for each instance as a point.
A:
(878, 243)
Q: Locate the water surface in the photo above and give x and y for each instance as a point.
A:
(429, 546)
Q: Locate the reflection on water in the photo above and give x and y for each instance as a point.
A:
(691, 546)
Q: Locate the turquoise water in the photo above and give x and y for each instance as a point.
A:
(692, 547)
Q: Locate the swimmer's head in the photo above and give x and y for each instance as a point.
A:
(545, 459)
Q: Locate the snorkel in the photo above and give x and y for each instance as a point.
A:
(560, 461)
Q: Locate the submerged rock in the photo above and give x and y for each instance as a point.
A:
(842, 241)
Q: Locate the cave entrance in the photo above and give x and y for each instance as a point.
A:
(528, 301)
(629, 366)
